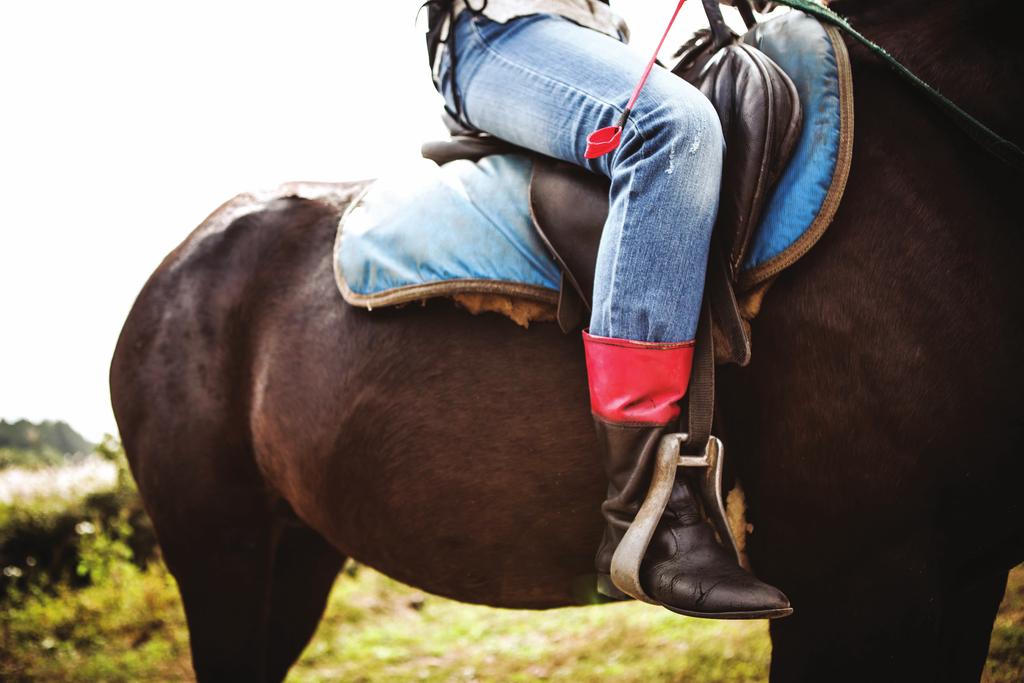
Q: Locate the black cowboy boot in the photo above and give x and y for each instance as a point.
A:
(634, 390)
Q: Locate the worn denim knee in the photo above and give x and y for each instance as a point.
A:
(665, 181)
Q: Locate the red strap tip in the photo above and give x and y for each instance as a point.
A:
(602, 141)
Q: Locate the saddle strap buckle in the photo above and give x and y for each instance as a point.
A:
(631, 549)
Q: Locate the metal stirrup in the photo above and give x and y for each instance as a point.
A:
(631, 549)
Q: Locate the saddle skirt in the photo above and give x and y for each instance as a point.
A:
(461, 228)
(478, 232)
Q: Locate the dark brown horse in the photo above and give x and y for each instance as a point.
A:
(275, 431)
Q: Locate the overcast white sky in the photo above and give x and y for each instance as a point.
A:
(124, 123)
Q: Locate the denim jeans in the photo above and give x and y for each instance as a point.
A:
(544, 83)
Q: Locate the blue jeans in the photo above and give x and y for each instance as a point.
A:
(544, 83)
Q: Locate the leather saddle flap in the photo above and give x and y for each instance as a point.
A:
(761, 117)
(569, 206)
(760, 113)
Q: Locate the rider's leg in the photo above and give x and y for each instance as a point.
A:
(545, 83)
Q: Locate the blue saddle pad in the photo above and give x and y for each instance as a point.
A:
(806, 197)
(465, 227)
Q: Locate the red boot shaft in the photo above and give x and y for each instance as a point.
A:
(636, 383)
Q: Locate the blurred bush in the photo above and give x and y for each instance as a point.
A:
(20, 457)
(51, 537)
(83, 594)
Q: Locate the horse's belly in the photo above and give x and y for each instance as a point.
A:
(454, 453)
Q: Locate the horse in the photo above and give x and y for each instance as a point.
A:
(274, 431)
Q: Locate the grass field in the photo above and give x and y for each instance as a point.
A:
(103, 618)
(378, 630)
(130, 627)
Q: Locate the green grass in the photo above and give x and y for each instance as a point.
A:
(379, 630)
(129, 626)
(1006, 651)
(92, 602)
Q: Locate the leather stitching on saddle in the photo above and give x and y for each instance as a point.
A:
(447, 288)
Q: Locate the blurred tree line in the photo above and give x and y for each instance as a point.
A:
(26, 444)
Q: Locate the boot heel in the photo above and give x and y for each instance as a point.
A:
(608, 589)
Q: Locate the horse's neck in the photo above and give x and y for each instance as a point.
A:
(967, 49)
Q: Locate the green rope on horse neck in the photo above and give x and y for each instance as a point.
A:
(1002, 148)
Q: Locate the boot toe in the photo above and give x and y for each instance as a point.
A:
(739, 596)
(744, 596)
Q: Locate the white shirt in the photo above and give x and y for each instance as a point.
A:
(590, 13)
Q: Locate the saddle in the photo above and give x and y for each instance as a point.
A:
(760, 111)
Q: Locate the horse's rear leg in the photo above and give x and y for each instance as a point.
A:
(305, 567)
(894, 619)
(875, 618)
(254, 580)
(220, 548)
(218, 530)
(967, 626)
